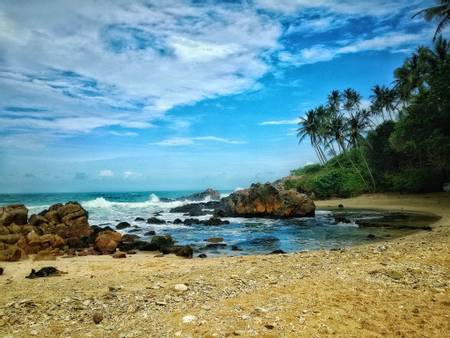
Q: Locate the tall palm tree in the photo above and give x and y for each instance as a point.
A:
(308, 127)
(441, 12)
(383, 100)
(334, 100)
(357, 125)
(352, 99)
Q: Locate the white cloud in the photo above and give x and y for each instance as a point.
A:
(280, 122)
(183, 141)
(392, 41)
(126, 133)
(106, 173)
(127, 174)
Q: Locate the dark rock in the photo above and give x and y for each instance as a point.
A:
(235, 248)
(154, 220)
(266, 240)
(179, 250)
(216, 245)
(190, 221)
(278, 251)
(97, 317)
(177, 221)
(15, 213)
(48, 271)
(341, 218)
(150, 233)
(135, 229)
(371, 236)
(130, 238)
(197, 209)
(265, 200)
(123, 225)
(162, 241)
(340, 206)
(213, 221)
(202, 255)
(214, 239)
(119, 254)
(97, 229)
(139, 219)
(211, 193)
(1, 271)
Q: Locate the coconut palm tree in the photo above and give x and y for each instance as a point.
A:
(334, 100)
(308, 127)
(357, 125)
(441, 12)
(383, 100)
(352, 99)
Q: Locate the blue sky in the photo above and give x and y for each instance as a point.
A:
(164, 95)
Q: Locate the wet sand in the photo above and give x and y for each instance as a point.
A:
(397, 288)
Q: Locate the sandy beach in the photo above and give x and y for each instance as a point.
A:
(397, 288)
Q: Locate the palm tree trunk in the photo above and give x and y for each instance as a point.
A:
(353, 164)
(367, 166)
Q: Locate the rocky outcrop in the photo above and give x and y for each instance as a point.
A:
(13, 214)
(107, 241)
(265, 200)
(197, 209)
(212, 194)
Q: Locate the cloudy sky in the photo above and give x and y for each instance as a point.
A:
(172, 94)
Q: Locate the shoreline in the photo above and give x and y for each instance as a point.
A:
(394, 287)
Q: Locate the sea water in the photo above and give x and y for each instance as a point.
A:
(248, 235)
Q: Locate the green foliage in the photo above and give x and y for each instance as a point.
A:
(307, 169)
(415, 180)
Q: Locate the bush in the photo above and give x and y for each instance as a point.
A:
(307, 169)
(416, 180)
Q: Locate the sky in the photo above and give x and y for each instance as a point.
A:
(173, 94)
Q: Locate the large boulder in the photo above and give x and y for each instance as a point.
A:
(107, 241)
(16, 213)
(265, 200)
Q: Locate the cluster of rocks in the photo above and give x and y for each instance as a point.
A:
(64, 229)
(213, 221)
(260, 200)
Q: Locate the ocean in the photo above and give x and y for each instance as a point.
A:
(248, 235)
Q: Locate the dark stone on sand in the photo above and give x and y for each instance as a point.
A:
(119, 254)
(48, 271)
(139, 219)
(340, 206)
(179, 250)
(202, 255)
(150, 233)
(278, 251)
(155, 220)
(371, 236)
(97, 317)
(1, 271)
(122, 225)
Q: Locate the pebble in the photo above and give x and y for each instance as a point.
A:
(97, 317)
(180, 287)
(189, 319)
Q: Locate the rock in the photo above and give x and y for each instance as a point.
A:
(278, 251)
(119, 254)
(45, 255)
(235, 248)
(180, 287)
(264, 200)
(155, 220)
(122, 225)
(131, 252)
(340, 206)
(190, 221)
(177, 221)
(179, 250)
(215, 221)
(215, 239)
(48, 271)
(97, 317)
(197, 209)
(202, 255)
(150, 233)
(15, 213)
(1, 271)
(130, 238)
(216, 245)
(371, 236)
(10, 239)
(52, 240)
(11, 254)
(139, 219)
(162, 241)
(107, 241)
(189, 319)
(208, 193)
(269, 326)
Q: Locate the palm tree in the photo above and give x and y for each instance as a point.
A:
(308, 127)
(357, 124)
(440, 12)
(352, 99)
(334, 100)
(383, 100)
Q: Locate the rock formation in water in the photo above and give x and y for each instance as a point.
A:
(212, 194)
